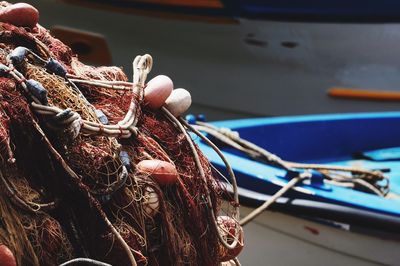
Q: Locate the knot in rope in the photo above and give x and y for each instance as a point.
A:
(68, 120)
(65, 120)
(141, 67)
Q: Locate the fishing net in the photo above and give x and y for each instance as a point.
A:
(71, 136)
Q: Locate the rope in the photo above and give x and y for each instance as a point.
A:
(75, 178)
(86, 261)
(222, 156)
(237, 262)
(360, 176)
(233, 139)
(22, 203)
(251, 216)
(106, 85)
(73, 122)
(141, 67)
(179, 125)
(78, 79)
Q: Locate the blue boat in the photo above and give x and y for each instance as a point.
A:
(339, 10)
(339, 224)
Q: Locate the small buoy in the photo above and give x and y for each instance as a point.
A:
(164, 173)
(191, 119)
(7, 257)
(55, 67)
(20, 14)
(125, 159)
(151, 203)
(178, 102)
(201, 117)
(157, 91)
(101, 116)
(17, 56)
(37, 90)
(227, 227)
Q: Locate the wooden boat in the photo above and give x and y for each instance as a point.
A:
(285, 54)
(319, 222)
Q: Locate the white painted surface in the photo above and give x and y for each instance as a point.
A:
(228, 77)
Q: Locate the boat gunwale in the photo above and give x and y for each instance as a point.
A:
(266, 179)
(368, 222)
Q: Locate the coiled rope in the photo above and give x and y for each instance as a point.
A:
(69, 119)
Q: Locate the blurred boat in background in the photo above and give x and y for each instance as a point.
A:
(244, 58)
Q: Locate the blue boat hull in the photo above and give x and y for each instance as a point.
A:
(348, 226)
(347, 140)
(368, 10)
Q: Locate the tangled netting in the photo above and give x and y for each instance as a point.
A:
(65, 197)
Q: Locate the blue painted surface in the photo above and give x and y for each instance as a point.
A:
(340, 10)
(331, 139)
(383, 154)
(370, 8)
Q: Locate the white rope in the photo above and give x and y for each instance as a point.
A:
(251, 216)
(112, 86)
(84, 260)
(78, 79)
(226, 163)
(255, 151)
(223, 241)
(141, 67)
(74, 123)
(233, 139)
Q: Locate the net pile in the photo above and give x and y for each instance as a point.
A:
(70, 185)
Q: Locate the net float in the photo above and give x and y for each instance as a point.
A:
(164, 173)
(157, 91)
(230, 230)
(178, 102)
(7, 257)
(20, 14)
(151, 204)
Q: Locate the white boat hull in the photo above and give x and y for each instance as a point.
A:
(278, 239)
(254, 67)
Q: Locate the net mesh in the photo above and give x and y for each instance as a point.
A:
(50, 217)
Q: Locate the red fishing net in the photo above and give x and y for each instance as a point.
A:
(65, 197)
